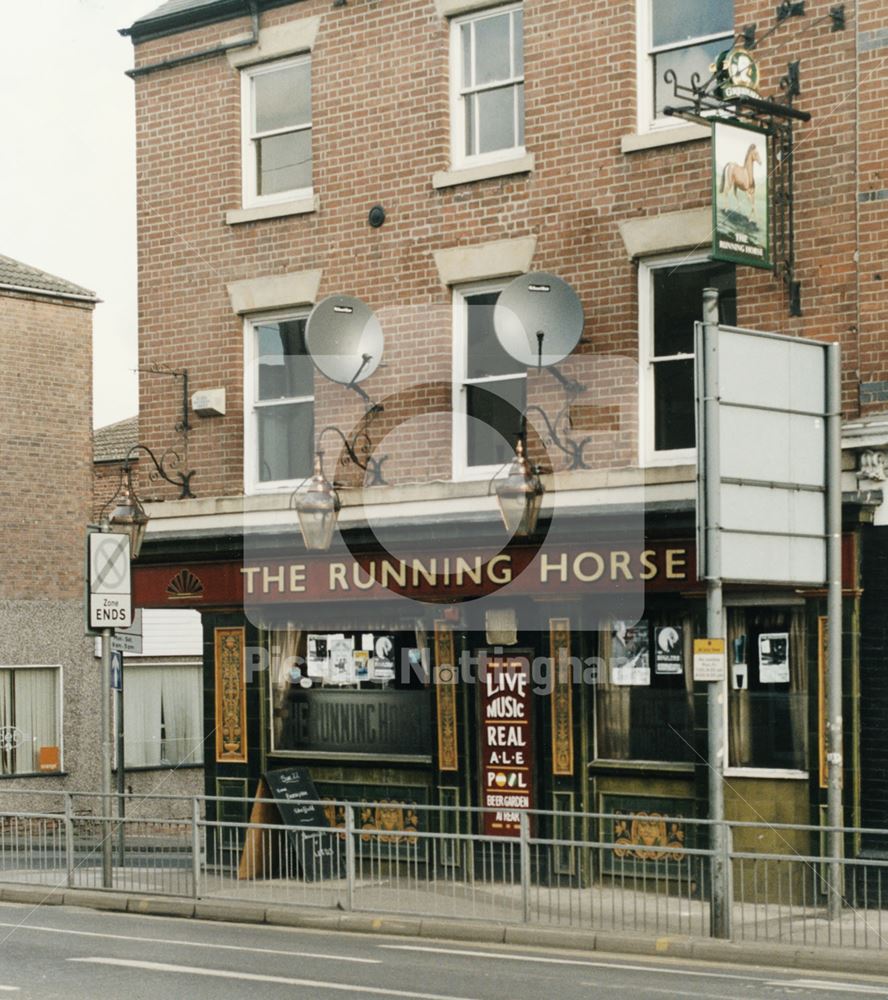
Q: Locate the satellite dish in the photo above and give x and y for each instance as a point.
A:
(344, 339)
(538, 319)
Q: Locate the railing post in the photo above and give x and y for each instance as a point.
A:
(195, 848)
(727, 845)
(69, 841)
(524, 861)
(349, 859)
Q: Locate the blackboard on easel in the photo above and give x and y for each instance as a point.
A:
(318, 854)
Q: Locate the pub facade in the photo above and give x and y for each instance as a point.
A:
(283, 162)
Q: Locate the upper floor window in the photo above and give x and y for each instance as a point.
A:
(279, 404)
(670, 301)
(685, 36)
(487, 73)
(276, 100)
(490, 388)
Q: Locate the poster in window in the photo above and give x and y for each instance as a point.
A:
(362, 665)
(668, 650)
(740, 194)
(384, 658)
(774, 658)
(341, 657)
(316, 658)
(630, 654)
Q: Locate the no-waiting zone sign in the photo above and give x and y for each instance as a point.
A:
(110, 592)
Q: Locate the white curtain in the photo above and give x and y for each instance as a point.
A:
(7, 762)
(35, 712)
(180, 697)
(142, 716)
(163, 718)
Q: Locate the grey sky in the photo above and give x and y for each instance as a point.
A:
(67, 176)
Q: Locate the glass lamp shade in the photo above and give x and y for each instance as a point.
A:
(317, 507)
(129, 518)
(520, 495)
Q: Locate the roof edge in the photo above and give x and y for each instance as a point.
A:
(148, 28)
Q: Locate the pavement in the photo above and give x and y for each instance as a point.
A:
(757, 953)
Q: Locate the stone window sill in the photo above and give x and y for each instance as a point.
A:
(301, 206)
(663, 137)
(468, 175)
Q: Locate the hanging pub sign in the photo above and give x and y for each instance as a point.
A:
(506, 743)
(736, 74)
(740, 194)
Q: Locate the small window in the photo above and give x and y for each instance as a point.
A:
(279, 436)
(768, 702)
(163, 715)
(277, 131)
(670, 302)
(30, 728)
(684, 36)
(488, 86)
(490, 388)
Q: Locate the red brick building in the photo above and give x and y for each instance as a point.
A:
(497, 139)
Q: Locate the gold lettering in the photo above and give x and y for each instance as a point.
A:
(250, 572)
(337, 576)
(588, 577)
(620, 561)
(676, 561)
(268, 579)
(546, 566)
(297, 578)
(356, 576)
(399, 575)
(505, 576)
(429, 575)
(463, 568)
(650, 567)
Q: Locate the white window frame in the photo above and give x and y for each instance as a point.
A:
(647, 121)
(251, 197)
(648, 456)
(60, 702)
(252, 482)
(458, 156)
(462, 471)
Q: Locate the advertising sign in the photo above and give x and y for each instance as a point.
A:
(506, 743)
(740, 230)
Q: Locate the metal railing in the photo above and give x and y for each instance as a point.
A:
(605, 871)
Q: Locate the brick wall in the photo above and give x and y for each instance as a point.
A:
(381, 129)
(45, 412)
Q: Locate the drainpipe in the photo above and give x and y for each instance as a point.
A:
(217, 50)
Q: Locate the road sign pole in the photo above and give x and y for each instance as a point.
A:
(720, 903)
(121, 770)
(105, 723)
(834, 624)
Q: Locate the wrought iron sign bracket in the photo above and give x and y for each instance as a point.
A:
(359, 447)
(184, 425)
(567, 445)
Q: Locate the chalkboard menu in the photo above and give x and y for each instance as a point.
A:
(319, 855)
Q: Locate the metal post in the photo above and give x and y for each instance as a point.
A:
(69, 840)
(834, 624)
(195, 848)
(105, 724)
(349, 858)
(524, 861)
(121, 771)
(720, 908)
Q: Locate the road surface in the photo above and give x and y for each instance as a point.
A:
(80, 954)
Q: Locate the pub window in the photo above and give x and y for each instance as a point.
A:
(644, 696)
(685, 36)
(490, 388)
(670, 299)
(768, 699)
(279, 410)
(363, 691)
(163, 715)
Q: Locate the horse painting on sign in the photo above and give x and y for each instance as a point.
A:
(740, 194)
(736, 178)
